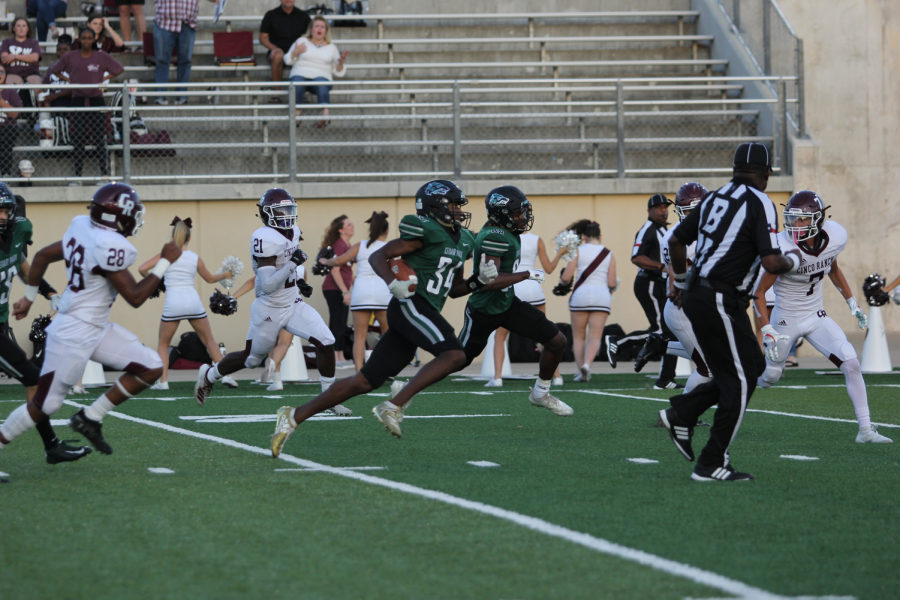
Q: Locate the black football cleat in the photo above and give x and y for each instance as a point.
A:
(680, 433)
(91, 430)
(63, 452)
(670, 384)
(612, 349)
(653, 349)
(726, 473)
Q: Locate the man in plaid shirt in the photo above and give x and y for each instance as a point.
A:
(175, 23)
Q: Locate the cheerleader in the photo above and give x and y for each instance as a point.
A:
(370, 295)
(529, 291)
(183, 301)
(593, 270)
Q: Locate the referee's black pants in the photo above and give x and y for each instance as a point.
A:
(651, 293)
(730, 349)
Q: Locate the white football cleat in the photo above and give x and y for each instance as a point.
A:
(494, 383)
(340, 410)
(551, 403)
(870, 435)
(160, 385)
(203, 387)
(557, 381)
(228, 381)
(77, 389)
(283, 429)
(389, 417)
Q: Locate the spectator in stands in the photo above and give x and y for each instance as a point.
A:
(21, 54)
(9, 128)
(314, 58)
(337, 289)
(47, 12)
(87, 66)
(59, 94)
(280, 27)
(175, 23)
(105, 38)
(126, 8)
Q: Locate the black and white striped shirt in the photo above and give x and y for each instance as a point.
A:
(647, 242)
(734, 227)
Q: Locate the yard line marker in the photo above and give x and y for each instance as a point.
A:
(2, 474)
(798, 457)
(664, 565)
(161, 470)
(643, 461)
(345, 468)
(482, 463)
(271, 417)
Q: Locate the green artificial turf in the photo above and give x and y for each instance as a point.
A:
(226, 524)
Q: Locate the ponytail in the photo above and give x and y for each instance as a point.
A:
(378, 225)
(181, 231)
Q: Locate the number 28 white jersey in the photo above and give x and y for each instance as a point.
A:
(690, 251)
(266, 242)
(801, 292)
(91, 252)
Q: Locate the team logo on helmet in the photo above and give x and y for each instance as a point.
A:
(498, 200)
(435, 189)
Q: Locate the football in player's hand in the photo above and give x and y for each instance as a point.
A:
(402, 271)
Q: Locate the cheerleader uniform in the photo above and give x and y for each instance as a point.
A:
(593, 294)
(529, 291)
(182, 299)
(370, 292)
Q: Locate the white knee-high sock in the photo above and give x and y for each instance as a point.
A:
(677, 349)
(694, 380)
(326, 382)
(856, 387)
(541, 387)
(213, 374)
(98, 410)
(17, 423)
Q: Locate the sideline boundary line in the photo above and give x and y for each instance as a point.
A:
(658, 563)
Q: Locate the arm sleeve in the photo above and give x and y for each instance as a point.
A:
(27, 232)
(411, 228)
(688, 230)
(494, 244)
(269, 280)
(765, 225)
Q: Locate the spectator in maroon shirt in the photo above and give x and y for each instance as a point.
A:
(20, 55)
(337, 289)
(87, 66)
(9, 128)
(105, 38)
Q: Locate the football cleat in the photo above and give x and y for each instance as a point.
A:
(92, 430)
(160, 385)
(681, 434)
(667, 385)
(77, 389)
(395, 389)
(63, 452)
(726, 473)
(283, 429)
(653, 349)
(340, 410)
(870, 435)
(229, 381)
(494, 383)
(389, 417)
(611, 348)
(551, 403)
(203, 387)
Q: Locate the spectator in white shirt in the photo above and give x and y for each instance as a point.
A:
(315, 59)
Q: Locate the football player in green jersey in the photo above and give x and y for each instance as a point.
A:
(15, 236)
(436, 244)
(509, 215)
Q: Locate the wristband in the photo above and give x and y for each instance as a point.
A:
(473, 283)
(682, 277)
(679, 285)
(31, 292)
(160, 269)
(45, 289)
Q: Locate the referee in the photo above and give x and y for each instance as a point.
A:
(734, 228)
(650, 288)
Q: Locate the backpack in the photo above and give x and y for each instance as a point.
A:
(191, 348)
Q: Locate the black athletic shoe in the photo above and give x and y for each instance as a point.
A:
(670, 384)
(91, 430)
(719, 474)
(680, 433)
(701, 424)
(611, 348)
(63, 452)
(653, 349)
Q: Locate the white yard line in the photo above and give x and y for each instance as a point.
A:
(664, 565)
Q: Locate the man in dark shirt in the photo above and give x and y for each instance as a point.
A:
(280, 28)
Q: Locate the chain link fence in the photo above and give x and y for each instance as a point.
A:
(540, 129)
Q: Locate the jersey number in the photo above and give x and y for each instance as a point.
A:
(116, 258)
(718, 210)
(6, 278)
(813, 280)
(257, 245)
(74, 255)
(515, 269)
(434, 285)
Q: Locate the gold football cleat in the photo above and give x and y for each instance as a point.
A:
(283, 429)
(389, 417)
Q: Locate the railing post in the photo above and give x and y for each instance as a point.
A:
(457, 133)
(620, 127)
(737, 14)
(126, 134)
(292, 132)
(783, 126)
(801, 92)
(767, 37)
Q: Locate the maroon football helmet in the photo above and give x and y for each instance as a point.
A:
(688, 197)
(278, 209)
(117, 207)
(804, 215)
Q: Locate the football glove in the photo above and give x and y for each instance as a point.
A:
(305, 289)
(770, 342)
(298, 257)
(487, 270)
(536, 275)
(55, 299)
(861, 318)
(400, 289)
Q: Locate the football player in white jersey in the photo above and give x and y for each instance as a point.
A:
(97, 256)
(275, 248)
(799, 311)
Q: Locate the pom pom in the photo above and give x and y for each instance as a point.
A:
(320, 269)
(562, 289)
(221, 304)
(159, 289)
(233, 264)
(570, 240)
(872, 288)
(38, 331)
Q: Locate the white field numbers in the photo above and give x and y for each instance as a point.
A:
(441, 276)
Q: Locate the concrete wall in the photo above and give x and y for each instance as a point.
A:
(223, 227)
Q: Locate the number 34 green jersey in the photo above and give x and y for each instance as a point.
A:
(493, 240)
(12, 254)
(440, 260)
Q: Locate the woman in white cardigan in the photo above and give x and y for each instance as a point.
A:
(314, 58)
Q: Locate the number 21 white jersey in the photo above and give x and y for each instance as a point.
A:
(267, 242)
(90, 252)
(801, 292)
